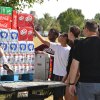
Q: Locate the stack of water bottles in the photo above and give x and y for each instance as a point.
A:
(18, 46)
(20, 54)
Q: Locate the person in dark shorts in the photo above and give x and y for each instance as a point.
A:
(52, 36)
(73, 35)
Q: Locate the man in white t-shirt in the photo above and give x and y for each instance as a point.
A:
(61, 55)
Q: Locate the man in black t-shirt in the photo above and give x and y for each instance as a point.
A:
(86, 59)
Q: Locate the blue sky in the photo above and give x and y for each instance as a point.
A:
(54, 8)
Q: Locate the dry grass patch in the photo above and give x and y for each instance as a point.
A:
(37, 42)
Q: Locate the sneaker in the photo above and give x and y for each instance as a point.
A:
(10, 72)
(7, 67)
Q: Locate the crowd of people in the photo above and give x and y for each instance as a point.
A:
(76, 62)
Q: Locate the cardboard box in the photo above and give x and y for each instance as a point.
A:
(22, 47)
(4, 34)
(30, 47)
(4, 17)
(30, 33)
(29, 19)
(25, 20)
(5, 24)
(13, 47)
(21, 20)
(14, 20)
(41, 66)
(6, 46)
(23, 35)
(5, 10)
(13, 35)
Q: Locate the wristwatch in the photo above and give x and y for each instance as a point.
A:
(71, 83)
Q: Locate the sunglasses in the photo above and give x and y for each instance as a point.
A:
(63, 35)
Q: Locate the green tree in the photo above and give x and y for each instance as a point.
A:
(19, 4)
(97, 17)
(71, 17)
(49, 22)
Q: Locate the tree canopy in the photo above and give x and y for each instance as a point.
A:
(71, 17)
(19, 4)
(49, 22)
(97, 17)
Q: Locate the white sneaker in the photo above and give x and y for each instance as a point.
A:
(7, 67)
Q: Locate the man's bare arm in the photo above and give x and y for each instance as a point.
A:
(72, 76)
(73, 71)
(40, 37)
